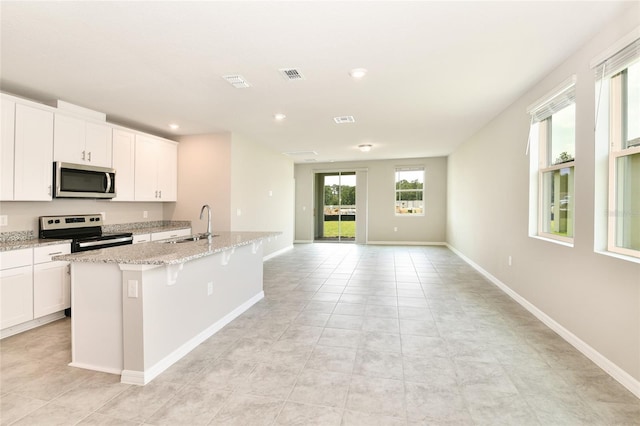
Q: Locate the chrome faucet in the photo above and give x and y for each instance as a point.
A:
(206, 206)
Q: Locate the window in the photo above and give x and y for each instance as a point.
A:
(409, 191)
(618, 91)
(553, 137)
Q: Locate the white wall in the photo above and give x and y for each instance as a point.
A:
(596, 298)
(381, 217)
(262, 192)
(204, 177)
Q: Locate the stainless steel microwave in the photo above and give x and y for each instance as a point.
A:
(83, 181)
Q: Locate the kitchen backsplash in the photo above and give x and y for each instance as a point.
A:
(23, 216)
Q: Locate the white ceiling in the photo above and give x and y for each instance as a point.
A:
(438, 71)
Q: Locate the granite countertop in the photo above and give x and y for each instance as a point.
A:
(16, 240)
(29, 243)
(147, 227)
(163, 253)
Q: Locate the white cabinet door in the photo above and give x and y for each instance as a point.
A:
(124, 150)
(51, 288)
(16, 296)
(167, 171)
(7, 132)
(98, 144)
(33, 154)
(68, 139)
(146, 169)
(81, 142)
(155, 236)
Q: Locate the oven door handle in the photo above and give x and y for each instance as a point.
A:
(108, 175)
(105, 243)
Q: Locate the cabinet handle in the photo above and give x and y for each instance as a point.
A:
(49, 192)
(89, 156)
(69, 269)
(160, 196)
(54, 253)
(82, 155)
(156, 196)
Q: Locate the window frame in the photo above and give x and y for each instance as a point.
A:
(617, 149)
(541, 163)
(398, 169)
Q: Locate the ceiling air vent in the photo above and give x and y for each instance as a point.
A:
(291, 74)
(344, 119)
(237, 81)
(300, 153)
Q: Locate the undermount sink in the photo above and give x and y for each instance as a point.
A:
(189, 239)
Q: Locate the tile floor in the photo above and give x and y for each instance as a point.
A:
(346, 335)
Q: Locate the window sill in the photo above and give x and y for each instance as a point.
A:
(551, 240)
(618, 256)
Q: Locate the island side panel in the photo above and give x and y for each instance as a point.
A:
(176, 316)
(96, 317)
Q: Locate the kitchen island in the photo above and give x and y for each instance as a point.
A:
(138, 309)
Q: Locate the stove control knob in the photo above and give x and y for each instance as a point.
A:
(50, 221)
(57, 220)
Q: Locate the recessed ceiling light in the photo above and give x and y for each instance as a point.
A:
(279, 116)
(174, 126)
(366, 147)
(358, 73)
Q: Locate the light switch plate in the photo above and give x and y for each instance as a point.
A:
(4, 220)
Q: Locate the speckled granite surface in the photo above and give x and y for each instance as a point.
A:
(16, 240)
(162, 253)
(147, 227)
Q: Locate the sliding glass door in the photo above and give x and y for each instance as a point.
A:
(336, 197)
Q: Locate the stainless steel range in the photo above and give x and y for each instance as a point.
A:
(85, 231)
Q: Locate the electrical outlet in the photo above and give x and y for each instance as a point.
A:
(132, 288)
(145, 214)
(209, 289)
(4, 220)
(238, 212)
(104, 216)
(395, 229)
(510, 261)
(270, 193)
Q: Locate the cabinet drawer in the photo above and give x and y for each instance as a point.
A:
(15, 258)
(170, 234)
(141, 238)
(44, 253)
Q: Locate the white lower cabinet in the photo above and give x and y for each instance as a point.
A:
(16, 288)
(51, 281)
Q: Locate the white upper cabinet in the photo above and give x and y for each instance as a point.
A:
(156, 169)
(124, 150)
(82, 142)
(7, 134)
(33, 154)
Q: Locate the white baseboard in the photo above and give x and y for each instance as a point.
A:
(10, 331)
(95, 368)
(134, 377)
(406, 243)
(302, 241)
(621, 376)
(277, 253)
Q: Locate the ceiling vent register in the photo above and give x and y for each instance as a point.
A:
(237, 81)
(344, 119)
(291, 74)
